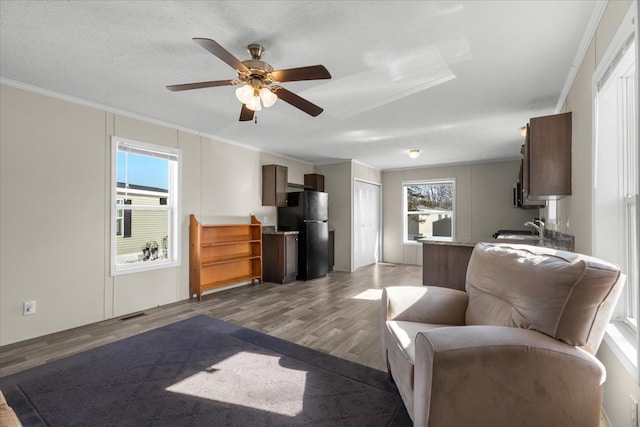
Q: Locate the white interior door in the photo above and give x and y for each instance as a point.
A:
(366, 224)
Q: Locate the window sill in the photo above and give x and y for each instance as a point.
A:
(142, 267)
(623, 344)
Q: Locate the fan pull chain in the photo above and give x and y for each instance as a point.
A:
(255, 118)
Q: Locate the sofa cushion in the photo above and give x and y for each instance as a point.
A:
(404, 334)
(554, 292)
(400, 337)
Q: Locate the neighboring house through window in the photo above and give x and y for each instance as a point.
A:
(428, 210)
(145, 201)
(119, 217)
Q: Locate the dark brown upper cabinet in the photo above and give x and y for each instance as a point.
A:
(314, 181)
(274, 185)
(547, 158)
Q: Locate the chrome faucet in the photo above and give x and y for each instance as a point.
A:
(538, 226)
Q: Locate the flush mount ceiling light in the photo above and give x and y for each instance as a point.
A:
(414, 153)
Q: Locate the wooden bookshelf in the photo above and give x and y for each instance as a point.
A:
(223, 254)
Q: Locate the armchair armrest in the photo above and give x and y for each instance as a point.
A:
(523, 376)
(424, 304)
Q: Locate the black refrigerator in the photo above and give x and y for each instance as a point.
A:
(308, 213)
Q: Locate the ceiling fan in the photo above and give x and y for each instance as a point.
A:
(259, 80)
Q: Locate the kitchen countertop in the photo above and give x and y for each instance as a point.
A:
(552, 239)
(272, 230)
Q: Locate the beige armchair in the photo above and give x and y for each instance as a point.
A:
(516, 349)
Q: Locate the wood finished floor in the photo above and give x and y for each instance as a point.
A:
(323, 314)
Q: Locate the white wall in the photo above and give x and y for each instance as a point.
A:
(575, 212)
(482, 204)
(55, 209)
(52, 207)
(366, 173)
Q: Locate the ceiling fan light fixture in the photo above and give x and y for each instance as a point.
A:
(244, 94)
(414, 153)
(254, 78)
(254, 103)
(268, 98)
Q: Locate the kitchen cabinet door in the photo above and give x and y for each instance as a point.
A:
(314, 181)
(280, 258)
(547, 158)
(290, 258)
(274, 185)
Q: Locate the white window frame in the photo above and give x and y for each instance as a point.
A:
(622, 334)
(172, 207)
(405, 213)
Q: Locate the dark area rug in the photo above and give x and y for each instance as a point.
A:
(203, 372)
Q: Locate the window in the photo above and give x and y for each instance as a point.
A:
(145, 206)
(428, 210)
(615, 193)
(552, 212)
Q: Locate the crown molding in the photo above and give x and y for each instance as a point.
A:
(589, 32)
(109, 109)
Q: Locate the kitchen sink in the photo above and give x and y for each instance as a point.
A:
(517, 237)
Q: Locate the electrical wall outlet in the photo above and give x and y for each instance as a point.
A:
(29, 307)
(634, 411)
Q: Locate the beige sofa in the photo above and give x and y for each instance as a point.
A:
(516, 349)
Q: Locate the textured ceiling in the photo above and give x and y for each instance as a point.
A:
(454, 79)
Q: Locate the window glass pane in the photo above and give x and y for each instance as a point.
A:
(148, 240)
(139, 171)
(429, 196)
(421, 226)
(552, 212)
(633, 267)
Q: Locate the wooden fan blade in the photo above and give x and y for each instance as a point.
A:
(246, 115)
(200, 85)
(297, 101)
(313, 72)
(221, 53)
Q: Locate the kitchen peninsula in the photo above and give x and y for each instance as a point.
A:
(444, 263)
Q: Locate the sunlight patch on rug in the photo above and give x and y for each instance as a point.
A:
(249, 379)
